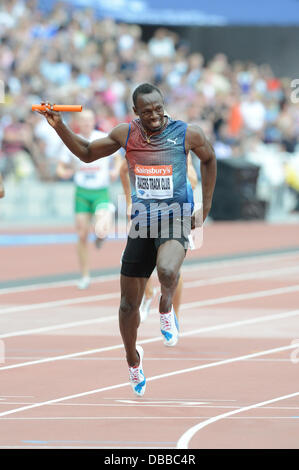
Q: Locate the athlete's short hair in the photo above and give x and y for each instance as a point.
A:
(144, 89)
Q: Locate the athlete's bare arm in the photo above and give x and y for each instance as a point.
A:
(197, 142)
(125, 180)
(82, 148)
(192, 176)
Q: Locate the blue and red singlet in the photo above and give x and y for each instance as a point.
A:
(158, 170)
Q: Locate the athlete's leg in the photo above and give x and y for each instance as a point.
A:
(103, 224)
(147, 299)
(149, 289)
(149, 293)
(132, 289)
(82, 229)
(170, 257)
(104, 212)
(138, 263)
(177, 296)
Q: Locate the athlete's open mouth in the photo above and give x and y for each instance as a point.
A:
(156, 124)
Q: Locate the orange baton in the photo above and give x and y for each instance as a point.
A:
(57, 107)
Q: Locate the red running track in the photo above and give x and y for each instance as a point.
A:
(231, 382)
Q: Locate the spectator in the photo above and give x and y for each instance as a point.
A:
(49, 145)
(253, 113)
(162, 44)
(80, 59)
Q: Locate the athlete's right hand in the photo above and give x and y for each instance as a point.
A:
(53, 117)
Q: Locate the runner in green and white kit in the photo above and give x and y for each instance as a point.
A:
(91, 192)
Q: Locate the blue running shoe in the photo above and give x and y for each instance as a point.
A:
(137, 378)
(169, 328)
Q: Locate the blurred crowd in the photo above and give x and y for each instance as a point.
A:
(244, 109)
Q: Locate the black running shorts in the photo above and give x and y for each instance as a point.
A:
(140, 255)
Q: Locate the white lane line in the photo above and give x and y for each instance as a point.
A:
(54, 284)
(60, 303)
(61, 326)
(48, 446)
(113, 277)
(114, 295)
(150, 379)
(252, 260)
(184, 440)
(242, 277)
(139, 403)
(104, 418)
(207, 329)
(238, 297)
(104, 297)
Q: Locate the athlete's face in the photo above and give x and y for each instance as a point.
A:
(150, 109)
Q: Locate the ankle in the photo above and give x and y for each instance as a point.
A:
(135, 362)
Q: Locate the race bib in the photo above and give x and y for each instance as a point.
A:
(154, 182)
(88, 177)
(89, 173)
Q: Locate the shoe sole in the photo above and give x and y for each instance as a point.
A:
(83, 287)
(171, 344)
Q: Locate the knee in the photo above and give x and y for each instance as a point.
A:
(128, 307)
(167, 276)
(82, 235)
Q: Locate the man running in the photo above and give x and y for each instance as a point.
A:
(156, 150)
(91, 192)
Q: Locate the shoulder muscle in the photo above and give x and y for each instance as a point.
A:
(197, 142)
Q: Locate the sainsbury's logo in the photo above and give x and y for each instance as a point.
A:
(161, 170)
